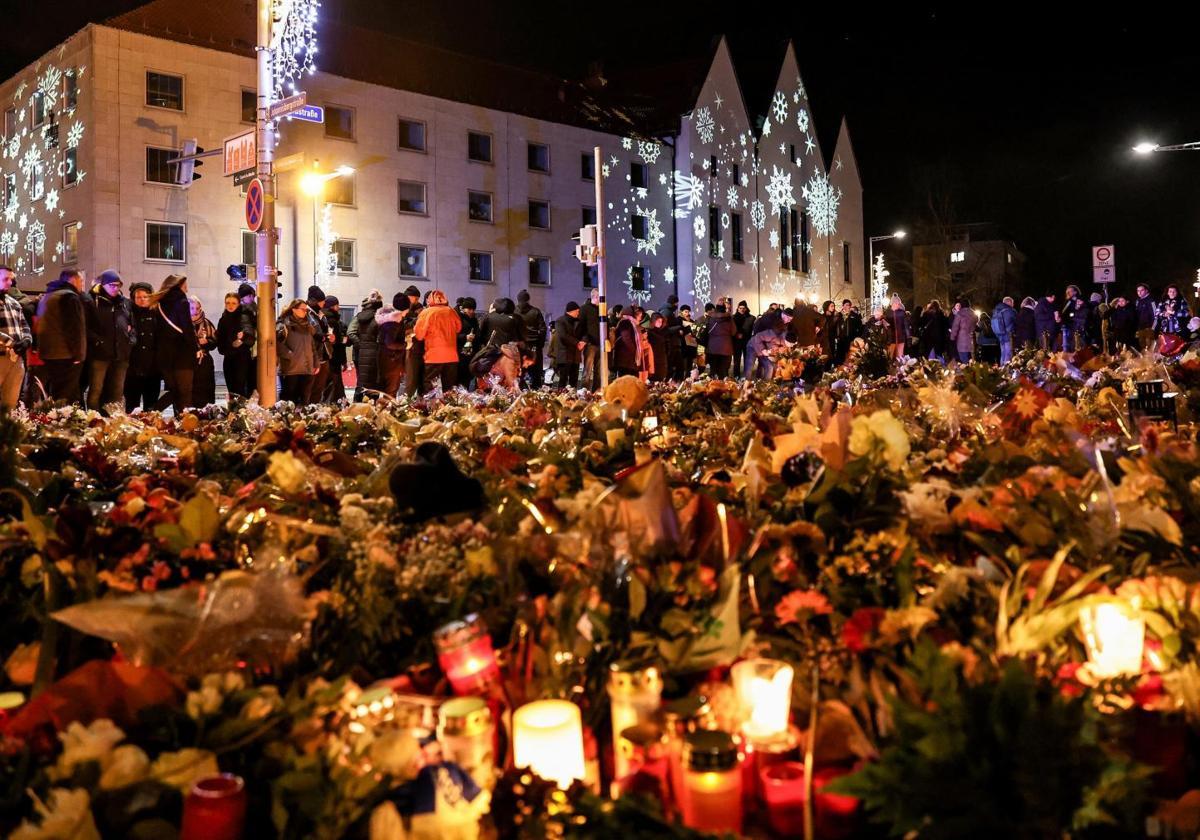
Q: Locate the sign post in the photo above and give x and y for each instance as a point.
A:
(601, 259)
(1104, 266)
(266, 234)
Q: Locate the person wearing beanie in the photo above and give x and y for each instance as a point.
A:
(414, 354)
(467, 333)
(236, 334)
(322, 344)
(111, 337)
(414, 294)
(743, 328)
(437, 327)
(392, 344)
(315, 295)
(335, 388)
(245, 290)
(535, 337)
(363, 337)
(673, 326)
(143, 379)
(566, 347)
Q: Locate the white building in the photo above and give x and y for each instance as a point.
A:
(469, 176)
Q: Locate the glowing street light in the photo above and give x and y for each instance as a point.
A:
(312, 184)
(1146, 147)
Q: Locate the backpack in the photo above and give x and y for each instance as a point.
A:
(483, 361)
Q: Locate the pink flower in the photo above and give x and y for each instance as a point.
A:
(789, 608)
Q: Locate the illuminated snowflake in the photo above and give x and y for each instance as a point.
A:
(614, 161)
(766, 129)
(604, 170)
(779, 190)
(644, 294)
(704, 125)
(823, 199)
(649, 151)
(35, 237)
(662, 179)
(74, 134)
(725, 221)
(58, 247)
(758, 215)
(698, 228)
(8, 243)
(837, 161)
(773, 238)
(731, 197)
(642, 193)
(10, 212)
(754, 260)
(689, 193)
(654, 231)
(745, 179)
(23, 221)
(701, 284)
(802, 120)
(52, 200)
(779, 107)
(30, 162)
(705, 164)
(626, 143)
(49, 85)
(717, 101)
(13, 148)
(809, 145)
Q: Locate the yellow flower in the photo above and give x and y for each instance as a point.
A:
(86, 743)
(184, 768)
(126, 765)
(68, 813)
(287, 471)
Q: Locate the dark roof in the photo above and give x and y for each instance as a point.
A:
(380, 58)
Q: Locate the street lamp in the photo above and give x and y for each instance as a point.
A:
(1147, 148)
(312, 184)
(900, 234)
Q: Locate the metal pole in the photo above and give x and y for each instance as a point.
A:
(600, 273)
(264, 240)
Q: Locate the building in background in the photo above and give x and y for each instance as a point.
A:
(468, 176)
(977, 261)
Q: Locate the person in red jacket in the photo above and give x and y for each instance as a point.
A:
(438, 327)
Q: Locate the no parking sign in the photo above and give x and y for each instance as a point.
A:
(254, 206)
(1104, 264)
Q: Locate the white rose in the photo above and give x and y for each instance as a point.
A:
(184, 768)
(126, 765)
(86, 743)
(68, 813)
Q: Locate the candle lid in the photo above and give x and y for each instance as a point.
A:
(624, 678)
(643, 734)
(710, 749)
(464, 716)
(459, 633)
(686, 713)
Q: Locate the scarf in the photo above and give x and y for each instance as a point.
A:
(205, 331)
(637, 333)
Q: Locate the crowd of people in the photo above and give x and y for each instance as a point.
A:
(92, 345)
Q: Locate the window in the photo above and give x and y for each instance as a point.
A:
(539, 157)
(412, 261)
(479, 206)
(166, 241)
(10, 123)
(344, 251)
(37, 110)
(37, 257)
(846, 263)
(339, 122)
(70, 243)
(480, 266)
(735, 227)
(737, 174)
(539, 214)
(785, 240)
(411, 197)
(249, 248)
(479, 147)
(10, 189)
(714, 232)
(640, 226)
(637, 278)
(639, 175)
(38, 187)
(164, 91)
(70, 170)
(341, 190)
(539, 271)
(158, 170)
(587, 166)
(712, 166)
(792, 151)
(958, 256)
(249, 106)
(587, 215)
(411, 135)
(802, 242)
(70, 91)
(591, 277)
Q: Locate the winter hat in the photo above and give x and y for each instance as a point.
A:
(469, 303)
(572, 306)
(413, 291)
(523, 296)
(672, 300)
(315, 293)
(108, 276)
(400, 301)
(330, 300)
(141, 287)
(245, 290)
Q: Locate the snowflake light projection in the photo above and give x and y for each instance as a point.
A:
(701, 285)
(758, 215)
(725, 221)
(35, 236)
(649, 151)
(773, 239)
(731, 197)
(654, 231)
(626, 142)
(8, 244)
(669, 276)
(688, 192)
(49, 85)
(779, 191)
(779, 107)
(879, 285)
(823, 199)
(74, 134)
(295, 52)
(698, 229)
(766, 129)
(52, 200)
(802, 120)
(810, 145)
(704, 124)
(642, 295)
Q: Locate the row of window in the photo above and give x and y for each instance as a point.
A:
(70, 177)
(37, 256)
(38, 112)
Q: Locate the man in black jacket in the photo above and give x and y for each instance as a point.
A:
(364, 338)
(335, 389)
(468, 333)
(535, 337)
(62, 335)
(1146, 314)
(111, 337)
(589, 319)
(143, 379)
(568, 343)
(322, 343)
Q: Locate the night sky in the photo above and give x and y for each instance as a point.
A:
(1023, 118)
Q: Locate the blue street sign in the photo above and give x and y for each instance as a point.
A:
(309, 113)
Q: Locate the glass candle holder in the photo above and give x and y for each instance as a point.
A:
(1115, 638)
(548, 739)
(215, 809)
(713, 781)
(783, 793)
(466, 656)
(679, 719)
(467, 734)
(635, 695)
(764, 691)
(645, 748)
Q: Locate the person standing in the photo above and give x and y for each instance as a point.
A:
(296, 340)
(589, 317)
(414, 348)
(1122, 321)
(62, 335)
(719, 342)
(323, 343)
(899, 328)
(236, 335)
(1173, 314)
(1074, 321)
(111, 336)
(1004, 320)
(847, 327)
(933, 332)
(15, 339)
(743, 323)
(567, 347)
(1025, 332)
(962, 331)
(204, 380)
(1046, 320)
(437, 328)
(628, 350)
(363, 336)
(467, 345)
(391, 321)
(335, 388)
(142, 378)
(1147, 314)
(688, 342)
(535, 337)
(175, 337)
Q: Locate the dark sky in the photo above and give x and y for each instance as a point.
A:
(1022, 117)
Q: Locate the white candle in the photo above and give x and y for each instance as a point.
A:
(764, 690)
(1115, 637)
(548, 739)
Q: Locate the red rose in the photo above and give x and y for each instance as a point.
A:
(860, 627)
(499, 459)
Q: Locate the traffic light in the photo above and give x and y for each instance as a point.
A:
(188, 166)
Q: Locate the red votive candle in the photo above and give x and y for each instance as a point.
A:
(215, 809)
(836, 814)
(466, 656)
(783, 791)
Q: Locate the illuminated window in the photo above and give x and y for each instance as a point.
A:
(480, 266)
(479, 147)
(539, 271)
(339, 122)
(539, 157)
(587, 166)
(158, 170)
(70, 91)
(735, 227)
(346, 252)
(70, 170)
(958, 256)
(164, 91)
(37, 110)
(249, 106)
(412, 261)
(639, 175)
(38, 188)
(166, 242)
(411, 135)
(479, 206)
(70, 243)
(341, 190)
(37, 258)
(539, 214)
(411, 197)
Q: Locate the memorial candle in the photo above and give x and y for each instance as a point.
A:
(465, 655)
(548, 739)
(714, 783)
(764, 691)
(1115, 636)
(215, 809)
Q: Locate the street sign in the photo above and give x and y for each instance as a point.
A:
(255, 203)
(308, 113)
(1104, 256)
(241, 152)
(244, 177)
(286, 106)
(1103, 274)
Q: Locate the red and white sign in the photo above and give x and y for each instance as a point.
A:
(255, 205)
(1103, 256)
(241, 152)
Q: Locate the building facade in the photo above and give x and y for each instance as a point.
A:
(479, 200)
(973, 261)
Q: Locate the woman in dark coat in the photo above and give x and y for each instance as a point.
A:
(743, 323)
(627, 343)
(720, 342)
(659, 335)
(900, 333)
(501, 326)
(935, 332)
(364, 338)
(296, 341)
(235, 338)
(175, 340)
(1025, 335)
(828, 327)
(204, 380)
(392, 340)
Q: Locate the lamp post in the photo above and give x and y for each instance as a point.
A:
(1148, 148)
(312, 184)
(900, 234)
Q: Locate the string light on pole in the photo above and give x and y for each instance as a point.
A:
(294, 43)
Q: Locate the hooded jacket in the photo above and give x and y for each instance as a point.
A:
(720, 334)
(364, 338)
(111, 331)
(1025, 326)
(295, 339)
(61, 323)
(438, 327)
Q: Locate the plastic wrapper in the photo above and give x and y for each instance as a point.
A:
(256, 620)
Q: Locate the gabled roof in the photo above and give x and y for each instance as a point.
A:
(757, 67)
